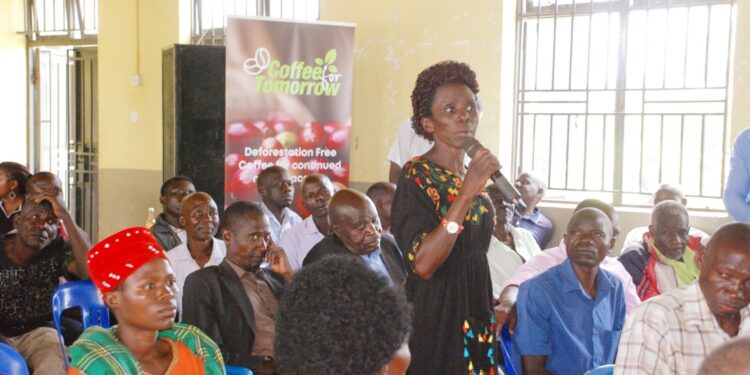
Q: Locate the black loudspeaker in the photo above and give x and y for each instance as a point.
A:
(193, 91)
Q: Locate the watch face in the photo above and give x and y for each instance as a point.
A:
(452, 227)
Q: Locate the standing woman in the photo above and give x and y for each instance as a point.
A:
(13, 178)
(443, 223)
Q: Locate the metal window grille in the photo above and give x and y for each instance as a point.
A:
(616, 96)
(209, 17)
(60, 21)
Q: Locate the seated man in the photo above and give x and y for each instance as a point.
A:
(200, 217)
(356, 231)
(235, 302)
(664, 192)
(46, 183)
(31, 263)
(301, 237)
(510, 247)
(570, 317)
(133, 275)
(664, 259)
(339, 317)
(532, 186)
(672, 333)
(167, 230)
(276, 193)
(505, 311)
(381, 193)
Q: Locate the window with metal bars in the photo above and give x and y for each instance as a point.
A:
(614, 97)
(209, 17)
(62, 21)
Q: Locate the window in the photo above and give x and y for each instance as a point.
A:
(209, 17)
(62, 20)
(615, 96)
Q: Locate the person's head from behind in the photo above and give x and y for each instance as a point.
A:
(135, 279)
(669, 228)
(728, 359)
(455, 84)
(172, 192)
(354, 220)
(275, 187)
(36, 224)
(589, 237)
(247, 235)
(667, 192)
(381, 193)
(199, 215)
(339, 317)
(316, 193)
(43, 183)
(605, 207)
(725, 270)
(532, 187)
(13, 178)
(503, 209)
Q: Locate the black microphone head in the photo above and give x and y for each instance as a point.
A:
(471, 146)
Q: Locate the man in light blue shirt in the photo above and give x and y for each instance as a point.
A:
(737, 192)
(570, 317)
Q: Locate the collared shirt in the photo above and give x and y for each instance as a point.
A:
(288, 219)
(264, 305)
(556, 255)
(539, 226)
(6, 219)
(559, 320)
(298, 240)
(504, 261)
(183, 263)
(672, 333)
(181, 233)
(375, 262)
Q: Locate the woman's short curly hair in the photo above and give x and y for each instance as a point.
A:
(339, 317)
(16, 172)
(427, 84)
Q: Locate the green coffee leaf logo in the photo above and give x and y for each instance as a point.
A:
(296, 77)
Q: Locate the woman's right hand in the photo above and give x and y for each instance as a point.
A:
(480, 169)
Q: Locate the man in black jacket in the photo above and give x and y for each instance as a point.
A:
(235, 303)
(167, 230)
(356, 231)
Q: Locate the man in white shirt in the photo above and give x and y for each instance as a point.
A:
(674, 332)
(200, 217)
(300, 238)
(277, 193)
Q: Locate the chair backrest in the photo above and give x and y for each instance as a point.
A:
(602, 370)
(505, 346)
(11, 363)
(81, 294)
(234, 370)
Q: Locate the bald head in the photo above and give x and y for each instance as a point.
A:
(670, 228)
(199, 215)
(667, 192)
(355, 221)
(729, 359)
(531, 186)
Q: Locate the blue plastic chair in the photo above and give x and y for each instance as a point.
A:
(234, 370)
(83, 295)
(505, 346)
(11, 363)
(602, 370)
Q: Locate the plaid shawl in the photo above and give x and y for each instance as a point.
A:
(98, 351)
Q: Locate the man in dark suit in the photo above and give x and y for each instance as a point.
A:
(356, 231)
(235, 303)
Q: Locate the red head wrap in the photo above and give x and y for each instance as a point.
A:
(115, 258)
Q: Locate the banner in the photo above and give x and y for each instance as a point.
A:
(288, 102)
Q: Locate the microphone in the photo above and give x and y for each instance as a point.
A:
(510, 194)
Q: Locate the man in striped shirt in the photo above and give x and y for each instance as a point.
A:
(673, 333)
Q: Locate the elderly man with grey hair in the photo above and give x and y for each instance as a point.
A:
(532, 187)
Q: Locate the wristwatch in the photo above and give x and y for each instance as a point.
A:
(451, 226)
